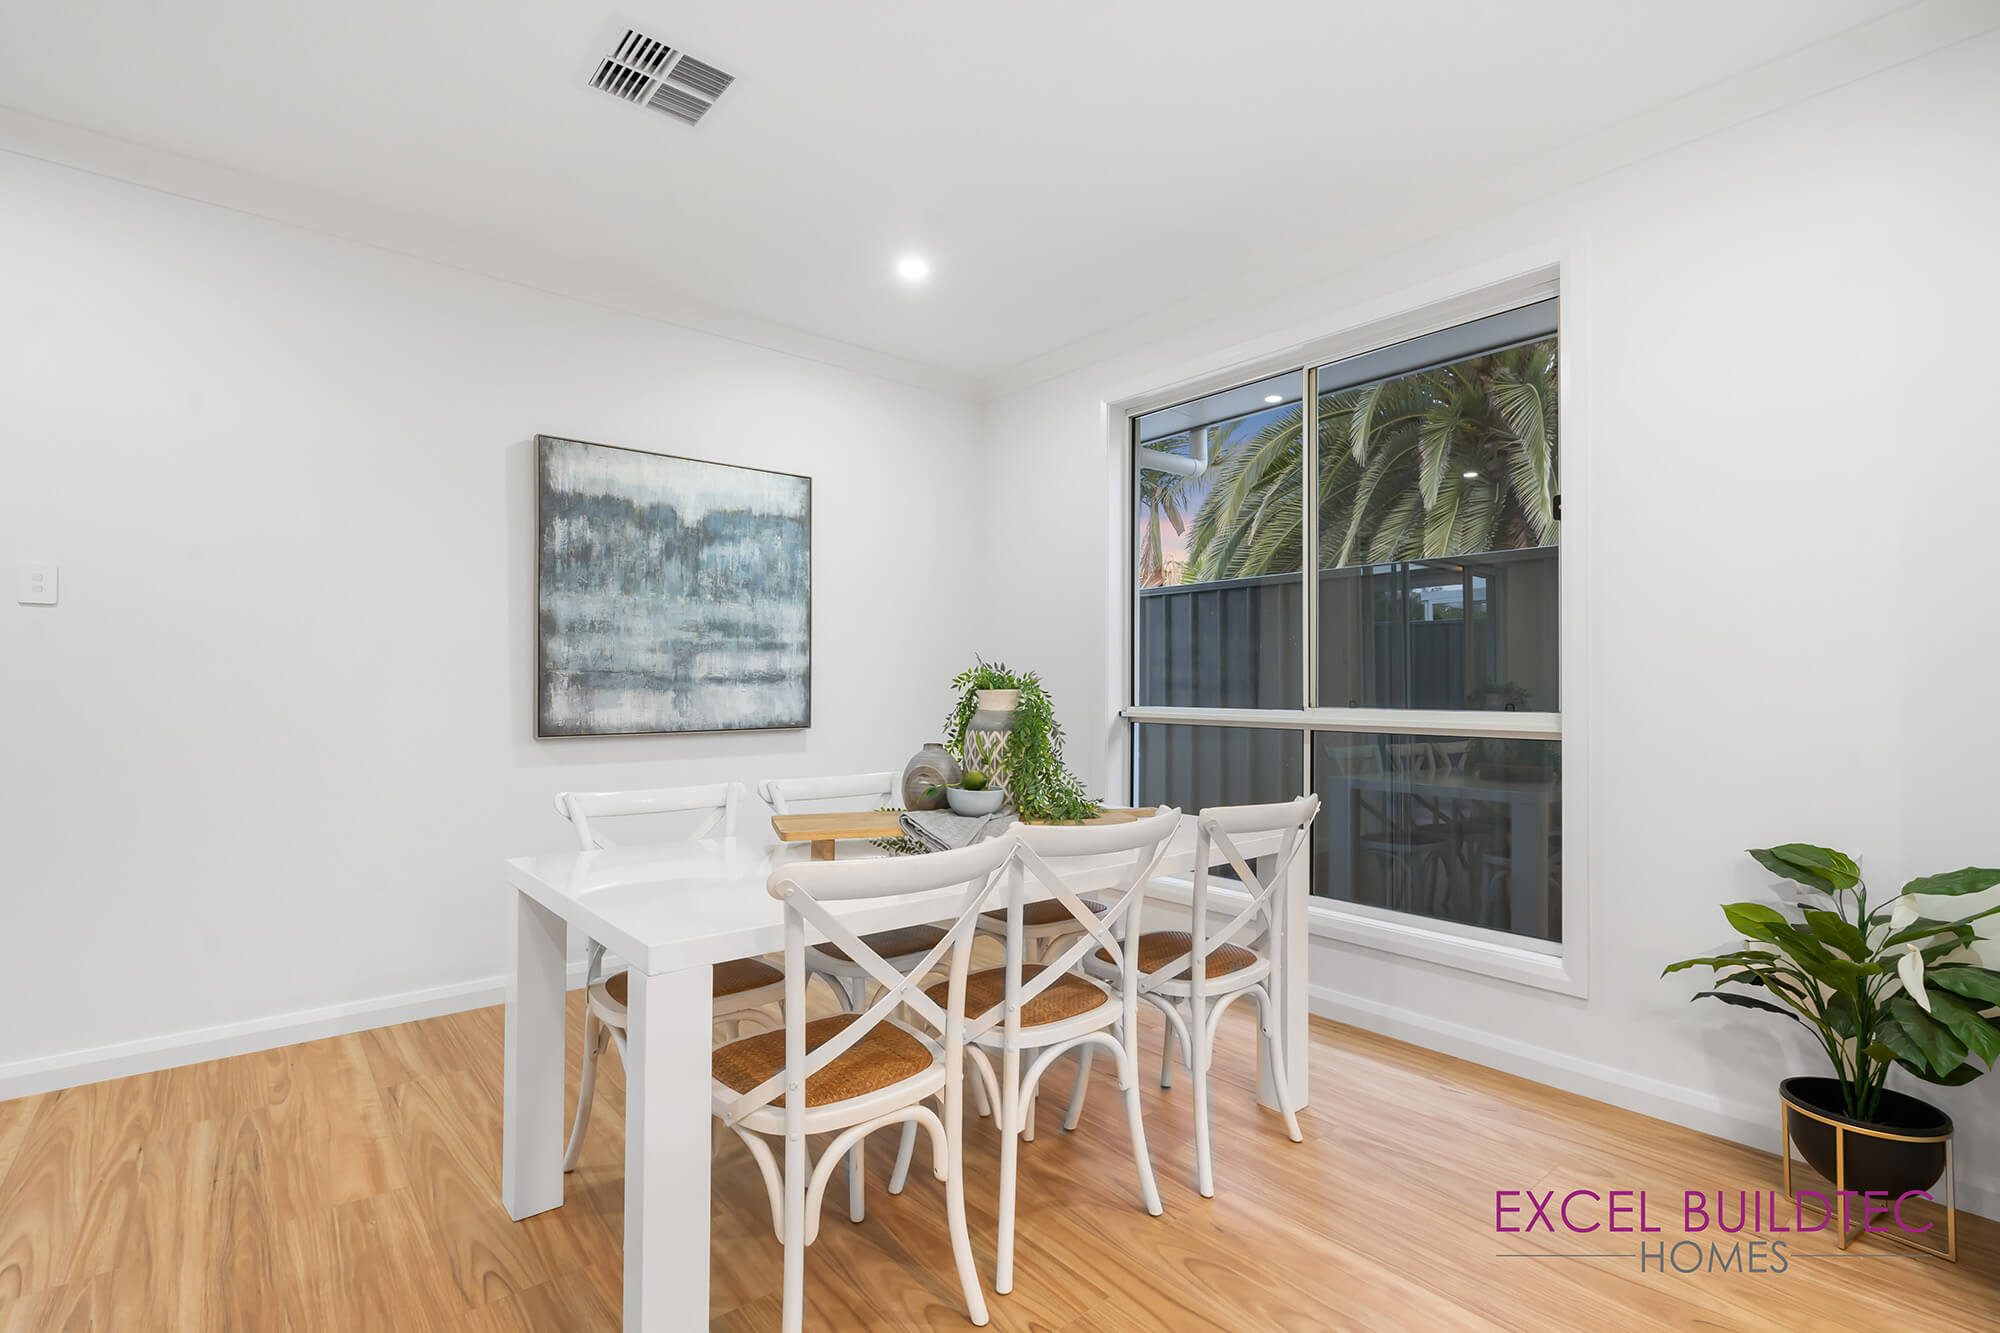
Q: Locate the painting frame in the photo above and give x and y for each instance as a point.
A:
(538, 454)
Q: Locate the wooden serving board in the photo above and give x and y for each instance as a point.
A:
(823, 830)
(1107, 815)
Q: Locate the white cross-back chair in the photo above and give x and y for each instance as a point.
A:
(782, 794)
(1193, 976)
(851, 1074)
(1045, 927)
(742, 986)
(1040, 1012)
(830, 961)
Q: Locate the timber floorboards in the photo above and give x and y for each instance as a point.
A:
(354, 1184)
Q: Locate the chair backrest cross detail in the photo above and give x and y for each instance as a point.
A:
(1144, 841)
(1216, 830)
(805, 888)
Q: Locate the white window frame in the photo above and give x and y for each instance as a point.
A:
(1555, 966)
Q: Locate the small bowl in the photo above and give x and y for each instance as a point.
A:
(975, 802)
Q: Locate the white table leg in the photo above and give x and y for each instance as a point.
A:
(1289, 991)
(666, 1150)
(531, 1175)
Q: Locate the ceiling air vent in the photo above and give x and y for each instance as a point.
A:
(647, 72)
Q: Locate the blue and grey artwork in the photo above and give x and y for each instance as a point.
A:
(675, 595)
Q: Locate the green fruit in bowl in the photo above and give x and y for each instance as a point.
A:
(975, 781)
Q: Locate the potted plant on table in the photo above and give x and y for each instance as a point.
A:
(1004, 725)
(1879, 989)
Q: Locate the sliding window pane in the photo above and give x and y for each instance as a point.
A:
(1438, 520)
(1195, 767)
(1455, 829)
(1218, 550)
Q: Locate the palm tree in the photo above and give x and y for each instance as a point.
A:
(1449, 461)
(1161, 495)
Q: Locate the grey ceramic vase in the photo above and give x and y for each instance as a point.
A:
(931, 767)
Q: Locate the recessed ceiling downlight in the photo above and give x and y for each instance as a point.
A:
(1274, 398)
(648, 72)
(913, 268)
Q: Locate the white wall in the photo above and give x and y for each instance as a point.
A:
(259, 768)
(1781, 344)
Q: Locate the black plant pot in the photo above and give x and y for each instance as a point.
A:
(1894, 1166)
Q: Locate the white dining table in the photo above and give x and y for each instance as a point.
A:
(671, 911)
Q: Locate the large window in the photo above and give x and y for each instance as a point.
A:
(1413, 680)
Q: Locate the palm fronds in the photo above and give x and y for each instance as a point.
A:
(1448, 461)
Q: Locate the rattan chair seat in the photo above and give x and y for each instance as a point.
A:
(1048, 912)
(1066, 998)
(1157, 948)
(891, 943)
(886, 1055)
(731, 978)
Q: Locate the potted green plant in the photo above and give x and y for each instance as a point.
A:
(1005, 726)
(1879, 989)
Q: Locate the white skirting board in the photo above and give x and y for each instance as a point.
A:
(1755, 1126)
(71, 1069)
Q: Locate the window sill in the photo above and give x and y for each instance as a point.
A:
(1487, 953)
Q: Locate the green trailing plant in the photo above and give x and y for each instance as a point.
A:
(1878, 989)
(1041, 786)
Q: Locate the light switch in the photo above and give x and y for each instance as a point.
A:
(38, 583)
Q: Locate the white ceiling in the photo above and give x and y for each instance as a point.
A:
(1068, 165)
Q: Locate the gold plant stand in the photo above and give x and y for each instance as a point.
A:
(1840, 1132)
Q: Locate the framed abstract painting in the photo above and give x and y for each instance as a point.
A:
(672, 594)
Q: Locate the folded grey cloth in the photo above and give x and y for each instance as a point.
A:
(943, 831)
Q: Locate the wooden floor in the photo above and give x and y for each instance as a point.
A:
(353, 1184)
